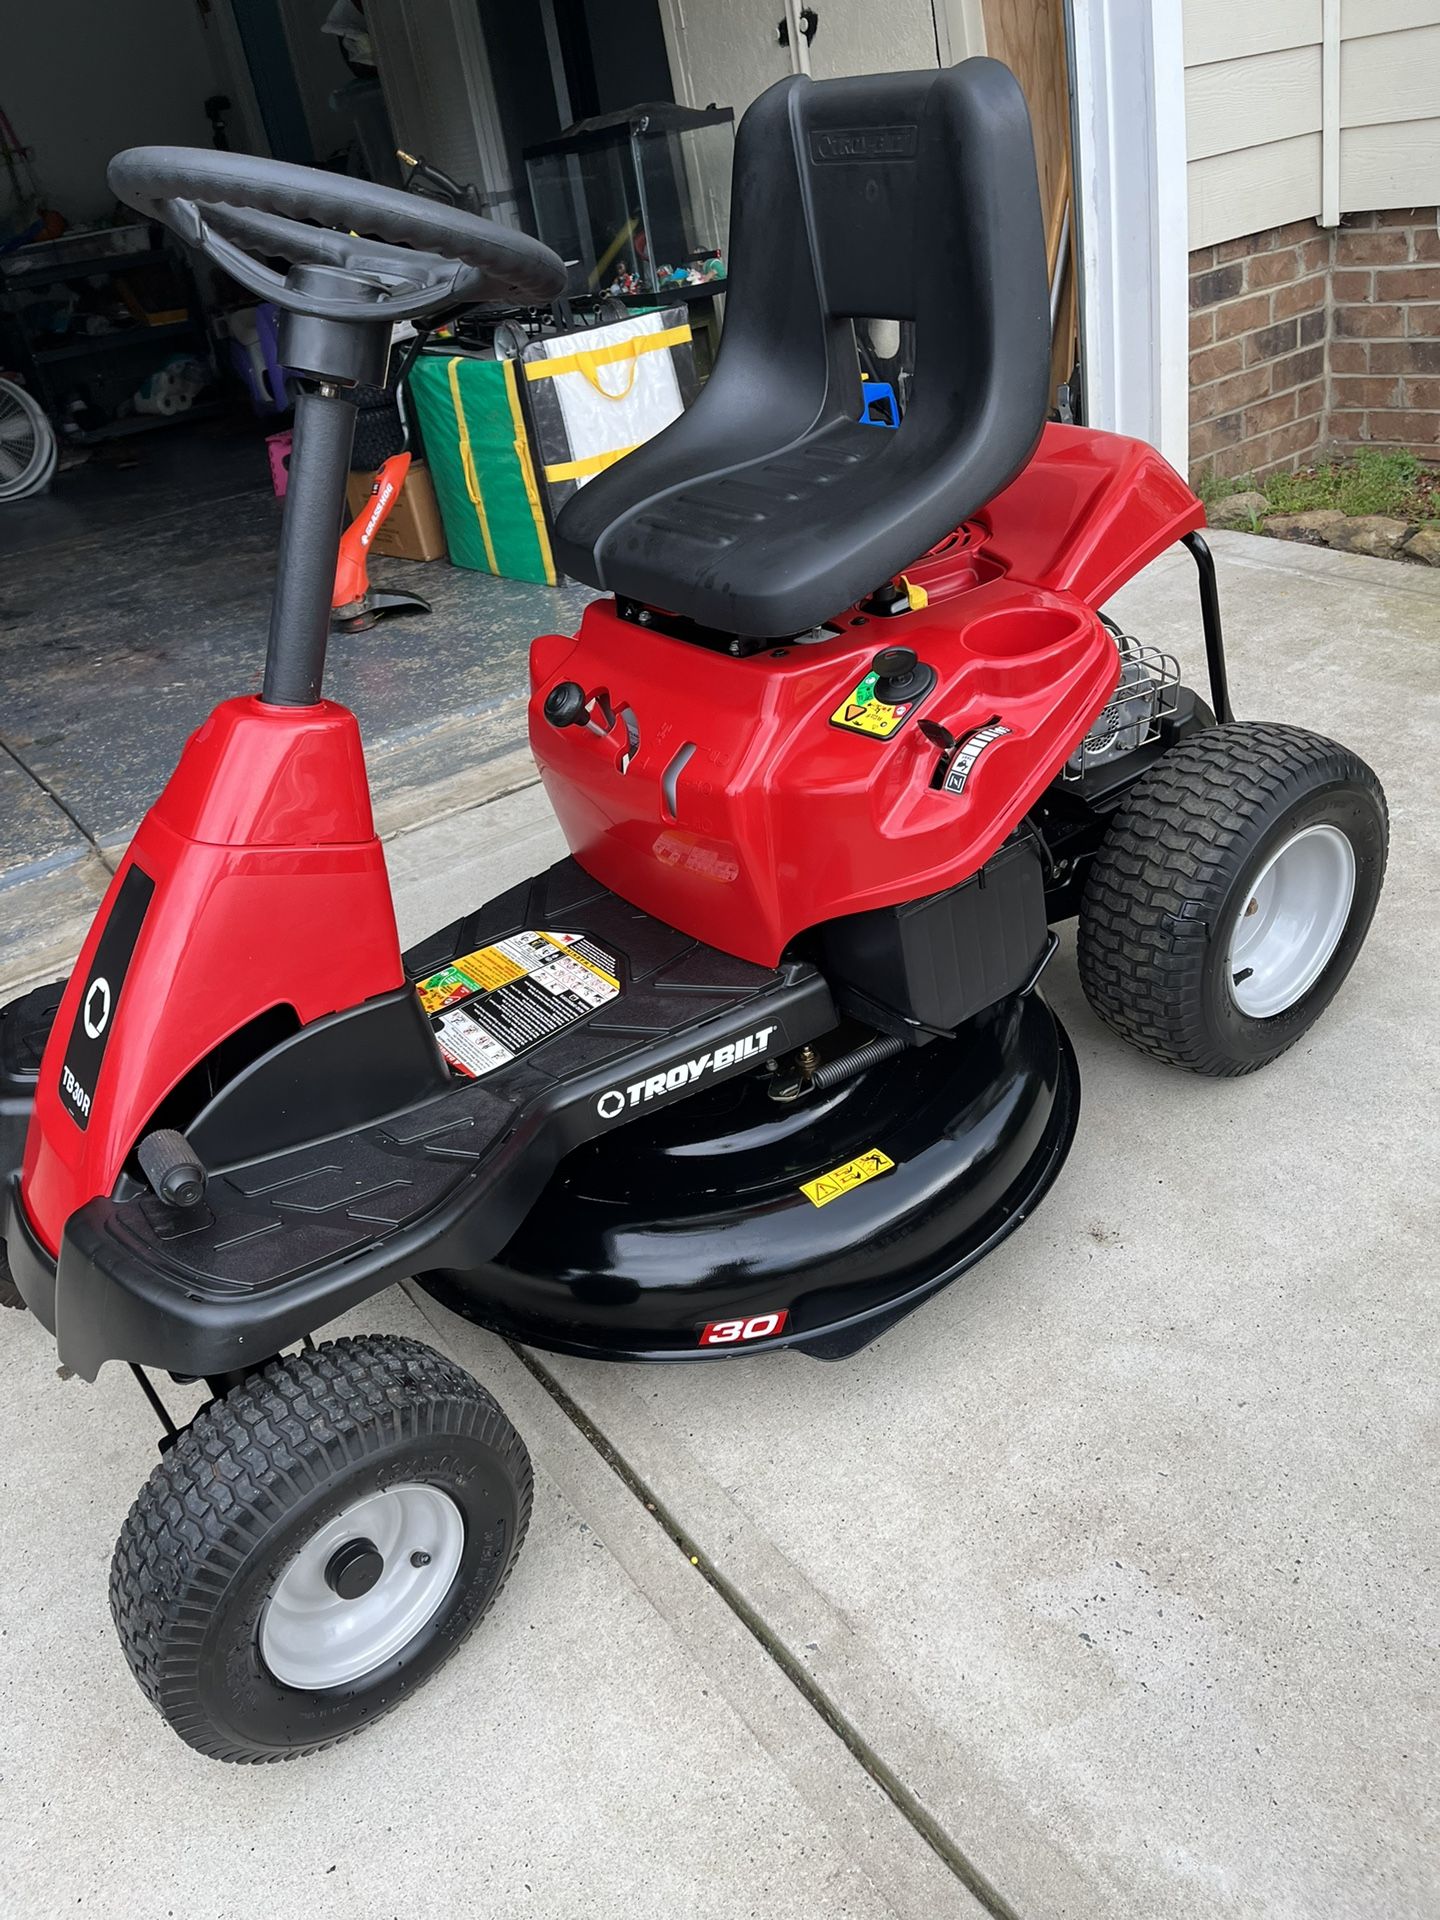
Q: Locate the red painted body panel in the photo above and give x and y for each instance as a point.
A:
(270, 890)
(1088, 513)
(781, 820)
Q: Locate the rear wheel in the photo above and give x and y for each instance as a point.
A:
(1231, 894)
(316, 1544)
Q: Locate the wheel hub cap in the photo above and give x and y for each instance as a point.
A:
(362, 1587)
(354, 1569)
(1291, 921)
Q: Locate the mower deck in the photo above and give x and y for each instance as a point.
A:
(814, 1224)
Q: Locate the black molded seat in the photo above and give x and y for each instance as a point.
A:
(767, 508)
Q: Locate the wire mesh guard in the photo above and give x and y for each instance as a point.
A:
(28, 451)
(1147, 693)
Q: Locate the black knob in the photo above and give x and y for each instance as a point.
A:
(895, 663)
(565, 704)
(898, 675)
(172, 1167)
(937, 735)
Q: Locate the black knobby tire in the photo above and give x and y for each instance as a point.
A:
(254, 1476)
(1174, 870)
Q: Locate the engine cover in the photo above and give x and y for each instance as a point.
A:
(745, 800)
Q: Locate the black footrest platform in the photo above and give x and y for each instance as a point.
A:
(572, 1011)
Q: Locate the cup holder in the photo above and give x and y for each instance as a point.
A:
(1024, 633)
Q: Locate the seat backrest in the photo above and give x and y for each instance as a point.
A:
(907, 196)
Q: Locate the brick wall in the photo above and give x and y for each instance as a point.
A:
(1384, 345)
(1307, 340)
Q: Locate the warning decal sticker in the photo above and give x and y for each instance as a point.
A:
(829, 1186)
(968, 752)
(487, 1007)
(861, 712)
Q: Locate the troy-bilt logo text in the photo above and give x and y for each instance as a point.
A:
(612, 1104)
(74, 1091)
(864, 143)
(760, 1326)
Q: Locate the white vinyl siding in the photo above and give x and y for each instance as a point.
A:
(1216, 32)
(1228, 101)
(1389, 104)
(1260, 144)
(1254, 187)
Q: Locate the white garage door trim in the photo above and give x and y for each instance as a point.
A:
(1128, 77)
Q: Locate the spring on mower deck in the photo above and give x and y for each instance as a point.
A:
(884, 1047)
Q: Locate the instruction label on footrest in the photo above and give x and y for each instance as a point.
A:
(488, 1006)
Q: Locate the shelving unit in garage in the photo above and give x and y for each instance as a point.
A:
(102, 370)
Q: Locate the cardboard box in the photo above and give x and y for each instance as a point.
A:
(413, 530)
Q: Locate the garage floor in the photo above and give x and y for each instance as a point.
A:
(1101, 1588)
(133, 597)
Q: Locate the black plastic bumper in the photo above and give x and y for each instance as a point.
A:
(31, 1267)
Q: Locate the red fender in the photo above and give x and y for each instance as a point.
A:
(264, 886)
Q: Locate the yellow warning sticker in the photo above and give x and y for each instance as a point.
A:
(490, 1005)
(489, 968)
(861, 712)
(471, 973)
(829, 1186)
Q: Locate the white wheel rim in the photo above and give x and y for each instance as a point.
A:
(313, 1637)
(1290, 921)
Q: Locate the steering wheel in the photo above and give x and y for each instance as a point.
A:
(416, 256)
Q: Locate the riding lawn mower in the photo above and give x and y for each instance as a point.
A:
(765, 1062)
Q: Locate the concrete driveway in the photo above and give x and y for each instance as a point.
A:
(1103, 1586)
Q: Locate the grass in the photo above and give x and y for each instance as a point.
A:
(1373, 482)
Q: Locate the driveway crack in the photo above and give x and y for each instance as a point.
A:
(910, 1807)
(57, 801)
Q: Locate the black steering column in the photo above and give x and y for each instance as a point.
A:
(354, 259)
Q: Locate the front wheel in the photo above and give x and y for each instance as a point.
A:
(316, 1544)
(1231, 894)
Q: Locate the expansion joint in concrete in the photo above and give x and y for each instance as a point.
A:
(13, 753)
(906, 1803)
